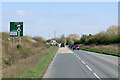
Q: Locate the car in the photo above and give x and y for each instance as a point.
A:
(59, 44)
(62, 45)
(70, 46)
(76, 47)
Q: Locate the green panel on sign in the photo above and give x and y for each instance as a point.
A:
(14, 29)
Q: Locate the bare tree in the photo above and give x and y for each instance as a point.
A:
(74, 36)
(63, 39)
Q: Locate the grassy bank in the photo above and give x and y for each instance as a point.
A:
(100, 51)
(29, 46)
(38, 70)
(18, 69)
(16, 61)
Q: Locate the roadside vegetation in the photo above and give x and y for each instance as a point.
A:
(109, 36)
(106, 42)
(18, 60)
(38, 70)
(28, 47)
(100, 51)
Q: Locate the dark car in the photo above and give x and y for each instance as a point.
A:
(56, 44)
(70, 46)
(76, 47)
(62, 45)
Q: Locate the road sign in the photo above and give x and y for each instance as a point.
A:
(16, 29)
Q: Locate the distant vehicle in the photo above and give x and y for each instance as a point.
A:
(62, 45)
(70, 46)
(76, 47)
(59, 44)
(56, 44)
(53, 43)
(47, 43)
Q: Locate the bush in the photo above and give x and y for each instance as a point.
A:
(25, 52)
(19, 46)
(104, 37)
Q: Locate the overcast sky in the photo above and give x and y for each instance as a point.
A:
(43, 18)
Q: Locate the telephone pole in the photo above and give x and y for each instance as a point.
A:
(54, 34)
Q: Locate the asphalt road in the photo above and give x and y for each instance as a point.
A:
(82, 64)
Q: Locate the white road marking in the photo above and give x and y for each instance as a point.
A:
(76, 56)
(79, 58)
(97, 76)
(83, 62)
(88, 67)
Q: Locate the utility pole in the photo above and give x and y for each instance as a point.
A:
(49, 35)
(54, 34)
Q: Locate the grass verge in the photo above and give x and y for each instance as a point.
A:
(38, 70)
(100, 51)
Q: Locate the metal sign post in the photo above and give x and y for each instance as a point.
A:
(19, 36)
(19, 33)
(13, 42)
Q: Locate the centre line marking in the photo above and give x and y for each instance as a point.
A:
(97, 76)
(83, 62)
(88, 67)
(79, 58)
(76, 56)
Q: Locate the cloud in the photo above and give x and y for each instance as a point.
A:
(73, 15)
(17, 12)
(23, 13)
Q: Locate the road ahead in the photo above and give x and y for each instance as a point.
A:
(82, 64)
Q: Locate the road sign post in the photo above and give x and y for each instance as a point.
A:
(16, 30)
(13, 42)
(19, 33)
(19, 36)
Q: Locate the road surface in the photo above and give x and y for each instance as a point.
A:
(82, 64)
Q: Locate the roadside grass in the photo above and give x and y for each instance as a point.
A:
(16, 61)
(100, 51)
(18, 69)
(38, 70)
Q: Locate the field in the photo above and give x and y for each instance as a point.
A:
(111, 49)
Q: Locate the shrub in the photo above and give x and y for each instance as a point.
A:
(104, 37)
(19, 46)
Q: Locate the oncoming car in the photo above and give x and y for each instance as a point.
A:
(76, 47)
(62, 45)
(70, 46)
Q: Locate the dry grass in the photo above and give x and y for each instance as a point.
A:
(15, 61)
(109, 48)
(11, 55)
(20, 68)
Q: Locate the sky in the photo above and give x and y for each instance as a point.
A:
(46, 18)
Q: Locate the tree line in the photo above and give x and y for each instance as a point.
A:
(111, 35)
